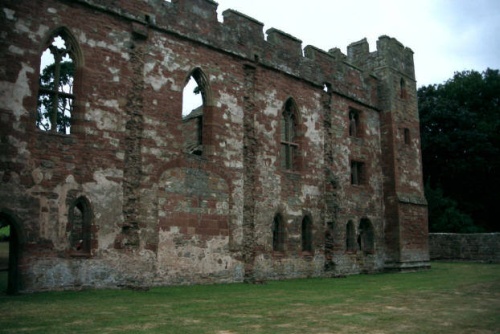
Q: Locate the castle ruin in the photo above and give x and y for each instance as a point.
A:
(298, 163)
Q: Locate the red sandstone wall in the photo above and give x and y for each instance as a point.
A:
(161, 215)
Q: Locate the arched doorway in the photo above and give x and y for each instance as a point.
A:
(10, 252)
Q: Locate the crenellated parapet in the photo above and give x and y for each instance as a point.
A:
(286, 44)
(246, 28)
(243, 36)
(391, 53)
(201, 9)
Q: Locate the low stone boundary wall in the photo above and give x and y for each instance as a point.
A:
(482, 247)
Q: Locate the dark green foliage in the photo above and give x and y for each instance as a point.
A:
(444, 215)
(460, 129)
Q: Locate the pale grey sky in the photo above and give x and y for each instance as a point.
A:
(445, 35)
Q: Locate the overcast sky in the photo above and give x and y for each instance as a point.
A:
(445, 35)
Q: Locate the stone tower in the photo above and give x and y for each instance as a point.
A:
(406, 227)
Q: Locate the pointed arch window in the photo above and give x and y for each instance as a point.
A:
(366, 236)
(289, 137)
(80, 226)
(56, 97)
(307, 234)
(278, 234)
(194, 105)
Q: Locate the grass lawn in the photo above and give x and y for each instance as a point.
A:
(449, 298)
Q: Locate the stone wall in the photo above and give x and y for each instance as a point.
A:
(161, 199)
(484, 247)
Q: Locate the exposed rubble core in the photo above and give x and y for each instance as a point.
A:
(298, 163)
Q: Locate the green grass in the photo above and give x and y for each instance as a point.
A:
(4, 232)
(449, 298)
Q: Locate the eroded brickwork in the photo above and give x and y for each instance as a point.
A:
(171, 201)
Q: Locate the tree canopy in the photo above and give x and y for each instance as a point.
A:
(460, 129)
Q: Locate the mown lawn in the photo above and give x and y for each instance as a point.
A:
(449, 298)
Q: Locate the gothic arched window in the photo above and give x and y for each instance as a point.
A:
(289, 144)
(58, 68)
(194, 107)
(366, 236)
(80, 226)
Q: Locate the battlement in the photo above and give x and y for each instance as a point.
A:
(287, 43)
(245, 27)
(391, 53)
(204, 9)
(243, 36)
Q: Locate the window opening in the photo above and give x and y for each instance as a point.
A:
(350, 236)
(354, 125)
(357, 173)
(366, 236)
(289, 145)
(191, 97)
(407, 138)
(402, 88)
(278, 234)
(192, 113)
(80, 226)
(55, 94)
(307, 234)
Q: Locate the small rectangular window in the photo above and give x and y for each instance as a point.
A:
(407, 137)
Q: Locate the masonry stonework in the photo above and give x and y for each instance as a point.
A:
(299, 163)
(478, 247)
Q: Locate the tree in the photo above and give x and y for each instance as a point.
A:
(460, 129)
(55, 99)
(445, 216)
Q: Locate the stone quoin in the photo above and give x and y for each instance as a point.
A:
(298, 163)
